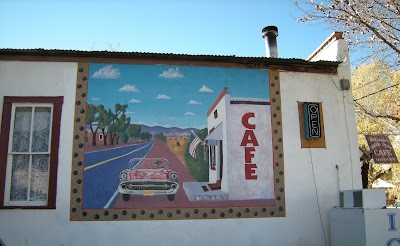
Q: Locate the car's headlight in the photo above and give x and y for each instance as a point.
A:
(123, 176)
(173, 176)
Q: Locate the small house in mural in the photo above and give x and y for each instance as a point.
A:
(95, 136)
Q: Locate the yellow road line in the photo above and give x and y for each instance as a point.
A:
(103, 162)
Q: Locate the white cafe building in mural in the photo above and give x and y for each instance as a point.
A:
(239, 137)
(237, 145)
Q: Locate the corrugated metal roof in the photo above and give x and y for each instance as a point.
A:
(165, 56)
(248, 99)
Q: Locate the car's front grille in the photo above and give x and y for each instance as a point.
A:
(149, 185)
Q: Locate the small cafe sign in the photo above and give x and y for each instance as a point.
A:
(381, 149)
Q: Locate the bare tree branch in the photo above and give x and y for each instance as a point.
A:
(386, 116)
(371, 26)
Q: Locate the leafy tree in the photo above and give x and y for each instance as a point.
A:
(118, 127)
(161, 137)
(91, 118)
(145, 136)
(377, 104)
(371, 27)
(131, 130)
(134, 130)
(118, 122)
(376, 92)
(124, 137)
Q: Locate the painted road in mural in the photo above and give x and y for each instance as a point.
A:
(101, 172)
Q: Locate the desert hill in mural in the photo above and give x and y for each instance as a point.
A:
(168, 131)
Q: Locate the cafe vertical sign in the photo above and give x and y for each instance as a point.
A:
(381, 149)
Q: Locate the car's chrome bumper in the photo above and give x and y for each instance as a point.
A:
(143, 187)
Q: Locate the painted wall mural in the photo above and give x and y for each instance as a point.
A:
(176, 142)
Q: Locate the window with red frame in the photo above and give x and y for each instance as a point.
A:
(29, 141)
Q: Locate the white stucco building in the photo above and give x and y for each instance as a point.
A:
(235, 149)
(303, 180)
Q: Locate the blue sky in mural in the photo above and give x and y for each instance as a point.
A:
(169, 96)
(223, 27)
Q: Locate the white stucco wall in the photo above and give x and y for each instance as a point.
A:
(309, 173)
(312, 179)
(336, 50)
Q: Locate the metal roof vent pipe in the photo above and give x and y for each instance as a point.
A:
(269, 34)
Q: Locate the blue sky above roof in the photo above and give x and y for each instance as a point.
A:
(177, 26)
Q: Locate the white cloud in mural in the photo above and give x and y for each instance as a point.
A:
(163, 96)
(172, 73)
(135, 101)
(129, 112)
(194, 102)
(129, 88)
(96, 99)
(204, 88)
(189, 113)
(107, 72)
(172, 118)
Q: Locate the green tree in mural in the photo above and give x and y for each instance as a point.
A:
(104, 120)
(134, 131)
(122, 124)
(161, 137)
(124, 137)
(118, 127)
(118, 122)
(145, 136)
(91, 119)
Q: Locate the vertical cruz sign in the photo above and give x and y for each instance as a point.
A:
(312, 120)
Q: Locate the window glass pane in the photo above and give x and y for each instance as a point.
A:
(19, 178)
(39, 177)
(22, 128)
(41, 129)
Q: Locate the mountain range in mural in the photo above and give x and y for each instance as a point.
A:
(168, 131)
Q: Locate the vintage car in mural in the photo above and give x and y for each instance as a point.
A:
(154, 177)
